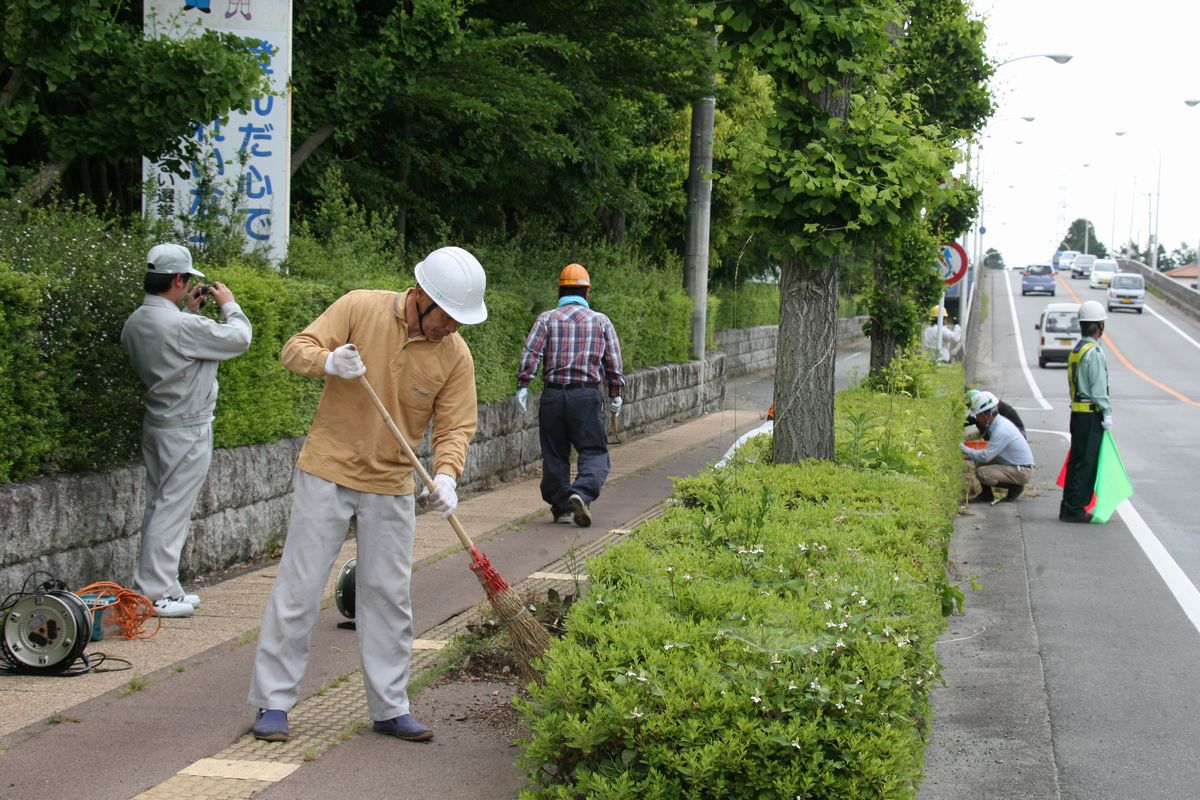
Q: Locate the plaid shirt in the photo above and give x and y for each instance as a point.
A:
(578, 345)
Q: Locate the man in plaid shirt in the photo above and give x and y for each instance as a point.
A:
(579, 351)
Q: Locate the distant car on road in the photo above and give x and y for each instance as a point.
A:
(1059, 325)
(1127, 290)
(1038, 278)
(1081, 266)
(1102, 272)
(1063, 258)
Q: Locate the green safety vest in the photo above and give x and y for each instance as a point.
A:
(1079, 402)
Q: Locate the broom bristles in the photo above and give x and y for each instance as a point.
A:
(528, 636)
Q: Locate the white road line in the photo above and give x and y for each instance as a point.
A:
(1012, 307)
(1177, 581)
(1173, 327)
(1168, 569)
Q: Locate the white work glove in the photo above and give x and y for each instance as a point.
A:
(345, 362)
(443, 498)
(523, 398)
(1106, 423)
(614, 405)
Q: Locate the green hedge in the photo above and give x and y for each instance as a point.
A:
(747, 306)
(771, 636)
(68, 280)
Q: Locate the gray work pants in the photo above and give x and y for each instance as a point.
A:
(321, 513)
(177, 462)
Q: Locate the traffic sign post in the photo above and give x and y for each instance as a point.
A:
(952, 263)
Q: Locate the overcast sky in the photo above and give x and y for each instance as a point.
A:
(1133, 65)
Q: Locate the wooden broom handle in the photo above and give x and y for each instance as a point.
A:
(408, 451)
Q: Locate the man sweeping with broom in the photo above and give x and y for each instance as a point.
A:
(350, 467)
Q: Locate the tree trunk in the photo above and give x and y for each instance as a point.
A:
(405, 173)
(883, 341)
(41, 183)
(804, 361)
(9, 93)
(314, 140)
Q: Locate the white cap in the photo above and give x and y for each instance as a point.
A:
(171, 259)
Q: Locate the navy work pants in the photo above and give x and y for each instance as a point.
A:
(572, 418)
(1080, 483)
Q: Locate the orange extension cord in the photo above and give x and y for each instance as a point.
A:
(130, 611)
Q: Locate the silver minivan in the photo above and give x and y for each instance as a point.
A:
(1127, 290)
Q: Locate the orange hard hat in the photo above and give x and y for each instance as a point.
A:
(574, 275)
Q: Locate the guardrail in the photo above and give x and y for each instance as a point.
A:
(1174, 292)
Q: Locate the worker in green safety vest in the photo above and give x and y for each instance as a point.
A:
(1091, 413)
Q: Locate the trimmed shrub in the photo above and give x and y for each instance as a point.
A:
(771, 636)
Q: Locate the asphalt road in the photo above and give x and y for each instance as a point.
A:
(1115, 607)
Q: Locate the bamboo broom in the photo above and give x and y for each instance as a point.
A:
(528, 636)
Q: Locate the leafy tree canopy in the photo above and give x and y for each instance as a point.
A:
(80, 80)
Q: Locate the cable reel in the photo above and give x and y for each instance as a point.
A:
(46, 630)
(343, 595)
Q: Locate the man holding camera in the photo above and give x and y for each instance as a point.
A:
(175, 353)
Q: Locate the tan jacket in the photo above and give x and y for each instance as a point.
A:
(417, 379)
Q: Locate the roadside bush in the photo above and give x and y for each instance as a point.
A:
(771, 636)
(747, 306)
(69, 400)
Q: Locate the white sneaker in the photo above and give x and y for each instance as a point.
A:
(192, 600)
(173, 608)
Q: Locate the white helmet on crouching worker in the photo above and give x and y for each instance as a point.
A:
(454, 279)
(983, 403)
(1092, 311)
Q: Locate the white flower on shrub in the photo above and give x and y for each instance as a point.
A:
(756, 699)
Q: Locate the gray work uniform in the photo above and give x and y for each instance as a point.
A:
(176, 353)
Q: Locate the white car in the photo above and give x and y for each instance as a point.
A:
(1103, 270)
(1059, 326)
(1127, 290)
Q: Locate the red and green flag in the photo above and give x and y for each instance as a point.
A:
(1112, 482)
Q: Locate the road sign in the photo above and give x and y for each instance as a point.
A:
(952, 263)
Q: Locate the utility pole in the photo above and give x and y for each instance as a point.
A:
(698, 219)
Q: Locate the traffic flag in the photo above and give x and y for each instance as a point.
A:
(1112, 482)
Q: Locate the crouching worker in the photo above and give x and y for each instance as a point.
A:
(407, 346)
(1007, 461)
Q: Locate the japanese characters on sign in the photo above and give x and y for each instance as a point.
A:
(243, 175)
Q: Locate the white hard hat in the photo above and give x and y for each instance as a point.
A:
(1092, 311)
(454, 279)
(984, 401)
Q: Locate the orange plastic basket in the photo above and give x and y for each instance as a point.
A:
(977, 444)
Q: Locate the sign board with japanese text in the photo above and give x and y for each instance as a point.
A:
(952, 263)
(243, 176)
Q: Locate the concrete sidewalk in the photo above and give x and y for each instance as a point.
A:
(163, 727)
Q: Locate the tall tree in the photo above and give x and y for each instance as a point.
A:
(941, 62)
(842, 157)
(84, 89)
(464, 114)
(1081, 236)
